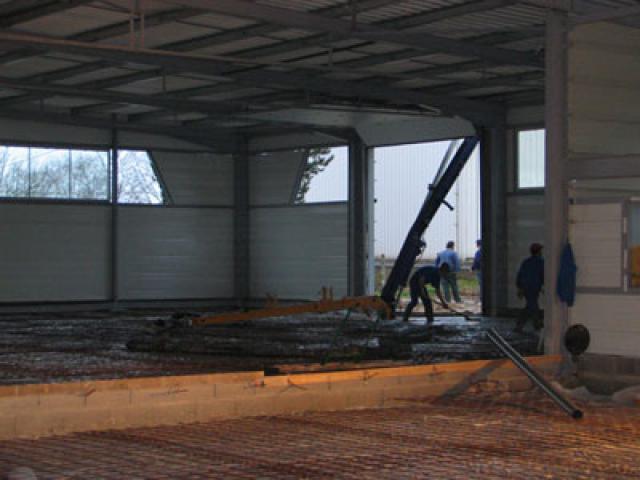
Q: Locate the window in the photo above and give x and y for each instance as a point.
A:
(531, 158)
(325, 177)
(138, 181)
(29, 172)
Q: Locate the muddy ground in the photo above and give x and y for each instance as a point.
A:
(103, 345)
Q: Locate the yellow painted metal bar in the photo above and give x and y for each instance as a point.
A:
(321, 306)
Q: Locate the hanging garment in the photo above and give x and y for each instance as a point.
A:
(566, 286)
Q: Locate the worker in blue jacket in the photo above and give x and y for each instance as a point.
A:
(450, 279)
(418, 288)
(529, 281)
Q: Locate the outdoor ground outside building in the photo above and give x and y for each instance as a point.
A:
(489, 436)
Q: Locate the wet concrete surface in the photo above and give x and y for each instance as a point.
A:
(104, 345)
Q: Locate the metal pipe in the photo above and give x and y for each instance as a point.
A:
(502, 345)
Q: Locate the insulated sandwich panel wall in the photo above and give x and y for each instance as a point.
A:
(595, 232)
(196, 178)
(295, 251)
(54, 253)
(272, 177)
(604, 90)
(604, 94)
(612, 321)
(175, 253)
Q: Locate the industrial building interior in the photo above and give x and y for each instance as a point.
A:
(179, 300)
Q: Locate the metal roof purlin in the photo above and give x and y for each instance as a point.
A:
(474, 110)
(345, 29)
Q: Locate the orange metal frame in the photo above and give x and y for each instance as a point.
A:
(366, 304)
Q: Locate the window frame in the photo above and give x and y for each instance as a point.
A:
(167, 199)
(516, 157)
(62, 200)
(300, 173)
(627, 285)
(110, 200)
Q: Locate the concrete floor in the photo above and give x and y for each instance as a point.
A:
(47, 348)
(479, 436)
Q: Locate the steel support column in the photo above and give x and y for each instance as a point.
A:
(555, 197)
(241, 226)
(358, 216)
(493, 183)
(114, 216)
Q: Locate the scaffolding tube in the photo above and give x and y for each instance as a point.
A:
(502, 345)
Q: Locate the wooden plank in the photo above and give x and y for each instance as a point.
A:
(333, 366)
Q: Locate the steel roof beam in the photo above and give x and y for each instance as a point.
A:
(235, 34)
(222, 140)
(155, 20)
(21, 11)
(366, 62)
(339, 29)
(479, 111)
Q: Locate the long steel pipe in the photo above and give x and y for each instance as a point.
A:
(502, 345)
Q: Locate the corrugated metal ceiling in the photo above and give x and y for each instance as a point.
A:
(306, 49)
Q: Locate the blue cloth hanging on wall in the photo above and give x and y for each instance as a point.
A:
(566, 286)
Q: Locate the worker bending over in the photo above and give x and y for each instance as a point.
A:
(418, 287)
(529, 282)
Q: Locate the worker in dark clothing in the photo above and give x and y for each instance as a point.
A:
(477, 264)
(418, 287)
(529, 282)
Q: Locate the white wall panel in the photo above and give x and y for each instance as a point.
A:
(604, 93)
(525, 225)
(272, 177)
(174, 253)
(612, 320)
(596, 236)
(194, 178)
(604, 89)
(54, 252)
(297, 250)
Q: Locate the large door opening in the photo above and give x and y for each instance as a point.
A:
(402, 175)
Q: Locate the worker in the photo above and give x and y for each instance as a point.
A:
(450, 280)
(418, 288)
(529, 282)
(476, 266)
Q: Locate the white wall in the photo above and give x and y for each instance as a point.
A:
(272, 177)
(175, 253)
(595, 232)
(54, 252)
(604, 90)
(604, 96)
(199, 178)
(295, 250)
(612, 321)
